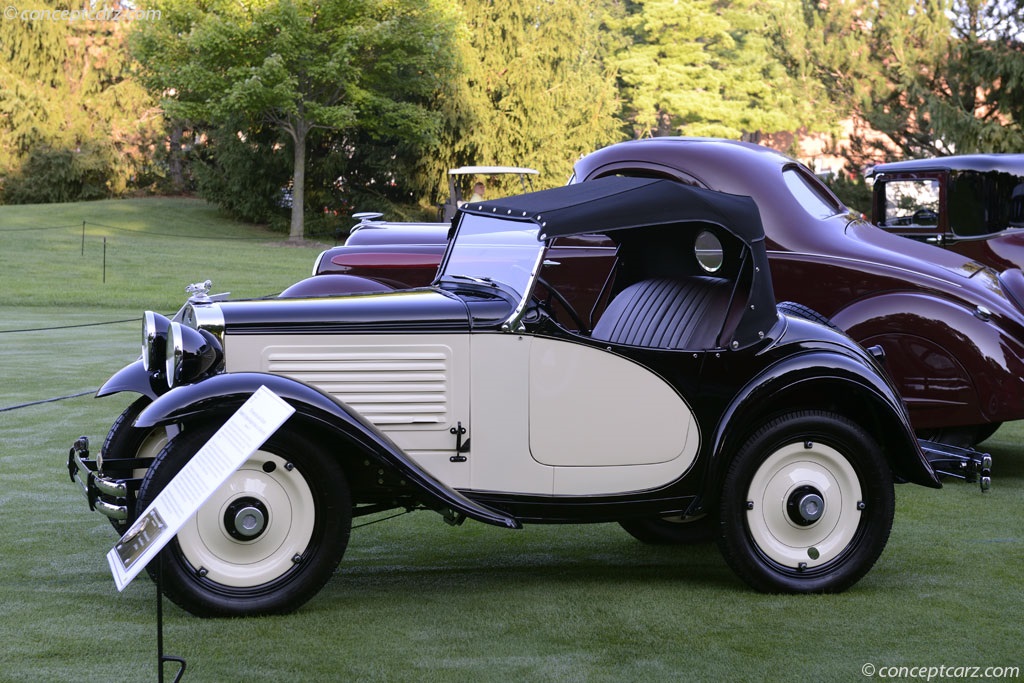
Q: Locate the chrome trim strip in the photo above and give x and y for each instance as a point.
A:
(174, 353)
(148, 337)
(514, 323)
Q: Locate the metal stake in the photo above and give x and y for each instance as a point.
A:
(160, 656)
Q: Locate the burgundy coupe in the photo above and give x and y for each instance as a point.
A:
(952, 328)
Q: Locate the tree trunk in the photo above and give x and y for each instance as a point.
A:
(174, 164)
(297, 231)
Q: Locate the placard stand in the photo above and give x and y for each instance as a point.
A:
(161, 658)
(238, 438)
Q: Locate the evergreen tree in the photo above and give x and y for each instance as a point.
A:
(534, 91)
(73, 124)
(933, 76)
(705, 68)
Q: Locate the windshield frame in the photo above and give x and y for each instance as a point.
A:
(524, 251)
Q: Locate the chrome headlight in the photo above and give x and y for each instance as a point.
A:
(154, 340)
(190, 354)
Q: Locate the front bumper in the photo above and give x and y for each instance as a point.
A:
(112, 497)
(960, 463)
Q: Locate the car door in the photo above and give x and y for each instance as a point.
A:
(558, 417)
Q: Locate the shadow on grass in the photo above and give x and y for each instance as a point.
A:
(426, 562)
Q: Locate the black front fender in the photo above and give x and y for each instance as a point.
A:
(221, 395)
(133, 377)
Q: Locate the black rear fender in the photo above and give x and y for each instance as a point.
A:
(822, 381)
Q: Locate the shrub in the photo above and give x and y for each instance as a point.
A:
(50, 175)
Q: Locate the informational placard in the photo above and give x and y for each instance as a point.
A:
(218, 459)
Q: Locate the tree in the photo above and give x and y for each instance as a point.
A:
(535, 90)
(356, 68)
(982, 108)
(73, 124)
(932, 77)
(704, 68)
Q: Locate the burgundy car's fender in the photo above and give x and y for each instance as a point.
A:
(928, 338)
(333, 285)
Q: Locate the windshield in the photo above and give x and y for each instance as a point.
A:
(911, 202)
(814, 197)
(490, 250)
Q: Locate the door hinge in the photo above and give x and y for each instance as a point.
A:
(460, 446)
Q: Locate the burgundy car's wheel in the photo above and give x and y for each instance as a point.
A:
(965, 436)
(675, 530)
(805, 312)
(267, 540)
(807, 505)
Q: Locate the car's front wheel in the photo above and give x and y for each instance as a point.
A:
(267, 540)
(807, 505)
(126, 441)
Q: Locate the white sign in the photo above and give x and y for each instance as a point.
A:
(222, 455)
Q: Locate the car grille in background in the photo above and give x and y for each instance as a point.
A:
(392, 386)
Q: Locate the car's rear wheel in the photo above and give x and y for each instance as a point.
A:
(267, 540)
(807, 505)
(675, 530)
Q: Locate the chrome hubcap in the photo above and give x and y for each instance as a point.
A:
(805, 506)
(245, 519)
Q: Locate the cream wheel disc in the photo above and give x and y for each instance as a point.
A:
(150, 448)
(254, 528)
(804, 505)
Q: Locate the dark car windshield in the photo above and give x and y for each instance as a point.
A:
(985, 203)
(491, 250)
(914, 201)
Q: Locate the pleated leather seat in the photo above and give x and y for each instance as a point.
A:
(667, 313)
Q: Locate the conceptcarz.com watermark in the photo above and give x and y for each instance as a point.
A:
(938, 673)
(13, 13)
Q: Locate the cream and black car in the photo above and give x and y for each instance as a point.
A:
(683, 406)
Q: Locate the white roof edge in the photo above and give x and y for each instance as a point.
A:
(483, 170)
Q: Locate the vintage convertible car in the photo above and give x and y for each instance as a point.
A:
(691, 404)
(952, 329)
(971, 204)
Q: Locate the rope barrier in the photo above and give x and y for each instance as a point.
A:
(68, 327)
(47, 400)
(77, 226)
(140, 233)
(170, 234)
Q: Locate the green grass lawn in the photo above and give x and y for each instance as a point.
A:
(415, 599)
(138, 253)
